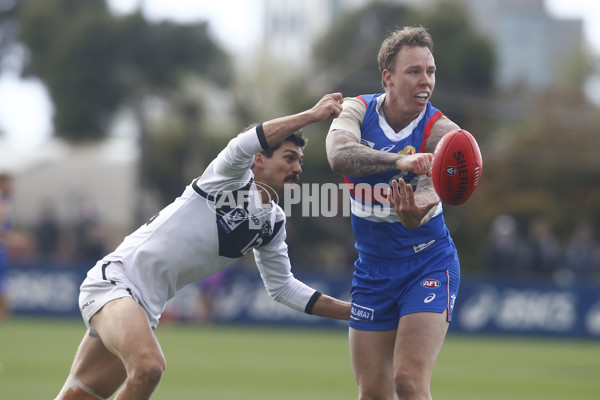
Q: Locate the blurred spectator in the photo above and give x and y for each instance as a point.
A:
(209, 288)
(10, 241)
(503, 253)
(88, 232)
(543, 252)
(581, 253)
(47, 232)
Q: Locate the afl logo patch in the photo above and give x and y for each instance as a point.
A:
(431, 284)
(451, 171)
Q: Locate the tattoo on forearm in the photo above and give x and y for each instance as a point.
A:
(425, 192)
(351, 158)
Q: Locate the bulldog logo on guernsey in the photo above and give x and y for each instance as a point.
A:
(431, 284)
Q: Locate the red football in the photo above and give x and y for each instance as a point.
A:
(457, 167)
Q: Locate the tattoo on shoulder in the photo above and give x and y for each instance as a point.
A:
(439, 129)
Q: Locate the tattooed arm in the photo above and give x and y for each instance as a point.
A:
(347, 156)
(425, 193)
(417, 208)
(439, 129)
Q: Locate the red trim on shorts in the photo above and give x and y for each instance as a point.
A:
(447, 296)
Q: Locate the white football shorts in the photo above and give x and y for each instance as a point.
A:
(106, 281)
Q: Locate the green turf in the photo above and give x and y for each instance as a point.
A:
(237, 362)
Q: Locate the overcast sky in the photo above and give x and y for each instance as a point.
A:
(234, 30)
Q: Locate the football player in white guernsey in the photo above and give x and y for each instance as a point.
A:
(223, 214)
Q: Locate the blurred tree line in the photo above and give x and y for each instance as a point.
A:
(539, 149)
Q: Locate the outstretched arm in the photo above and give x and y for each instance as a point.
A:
(235, 160)
(347, 156)
(278, 129)
(330, 307)
(275, 270)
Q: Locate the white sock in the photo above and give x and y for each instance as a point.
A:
(73, 387)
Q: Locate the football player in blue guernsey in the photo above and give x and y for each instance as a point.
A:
(407, 273)
(223, 214)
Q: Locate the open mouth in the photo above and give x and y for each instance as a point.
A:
(422, 96)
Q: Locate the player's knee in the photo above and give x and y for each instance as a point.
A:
(375, 395)
(409, 383)
(149, 370)
(376, 391)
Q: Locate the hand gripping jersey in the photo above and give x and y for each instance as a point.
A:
(379, 235)
(217, 219)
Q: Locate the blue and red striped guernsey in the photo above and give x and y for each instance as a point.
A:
(378, 233)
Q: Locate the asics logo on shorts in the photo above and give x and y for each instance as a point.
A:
(429, 298)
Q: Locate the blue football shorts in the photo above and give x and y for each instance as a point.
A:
(382, 293)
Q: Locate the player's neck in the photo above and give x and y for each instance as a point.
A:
(266, 195)
(396, 120)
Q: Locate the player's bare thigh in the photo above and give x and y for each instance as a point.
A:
(98, 363)
(371, 353)
(419, 340)
(125, 330)
(126, 342)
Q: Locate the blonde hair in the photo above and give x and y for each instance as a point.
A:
(411, 36)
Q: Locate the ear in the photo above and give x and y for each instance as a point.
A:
(387, 78)
(259, 160)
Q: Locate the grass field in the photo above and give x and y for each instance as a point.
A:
(240, 362)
